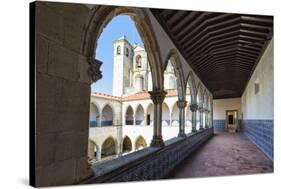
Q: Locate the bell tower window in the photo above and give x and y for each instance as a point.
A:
(138, 61)
(118, 50)
(127, 52)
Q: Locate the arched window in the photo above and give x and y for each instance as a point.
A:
(118, 51)
(138, 61)
(127, 52)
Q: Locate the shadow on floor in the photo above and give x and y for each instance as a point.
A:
(222, 155)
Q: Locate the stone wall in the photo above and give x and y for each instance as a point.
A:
(62, 94)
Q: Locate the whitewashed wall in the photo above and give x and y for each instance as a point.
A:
(221, 105)
(260, 105)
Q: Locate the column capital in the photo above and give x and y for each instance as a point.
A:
(193, 107)
(201, 109)
(94, 69)
(157, 96)
(181, 104)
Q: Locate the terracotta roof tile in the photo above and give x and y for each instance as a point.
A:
(137, 96)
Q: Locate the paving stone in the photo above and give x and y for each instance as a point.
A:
(216, 158)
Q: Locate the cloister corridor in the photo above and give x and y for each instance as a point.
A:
(222, 155)
(195, 99)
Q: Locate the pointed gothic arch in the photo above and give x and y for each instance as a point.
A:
(191, 87)
(139, 115)
(108, 147)
(140, 143)
(174, 59)
(107, 115)
(100, 16)
(129, 116)
(126, 144)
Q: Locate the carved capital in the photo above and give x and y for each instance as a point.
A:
(181, 104)
(157, 96)
(94, 69)
(201, 109)
(193, 107)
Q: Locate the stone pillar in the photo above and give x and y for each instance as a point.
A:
(144, 119)
(134, 120)
(170, 120)
(193, 108)
(181, 105)
(201, 110)
(98, 121)
(157, 97)
(211, 114)
(206, 118)
(98, 155)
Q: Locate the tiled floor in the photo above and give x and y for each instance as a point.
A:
(224, 154)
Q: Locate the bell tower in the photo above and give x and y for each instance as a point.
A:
(121, 65)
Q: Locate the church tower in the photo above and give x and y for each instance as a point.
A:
(122, 63)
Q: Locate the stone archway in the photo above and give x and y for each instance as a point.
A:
(94, 115)
(174, 60)
(126, 145)
(107, 116)
(140, 143)
(190, 88)
(166, 120)
(140, 115)
(129, 116)
(108, 148)
(92, 151)
(102, 15)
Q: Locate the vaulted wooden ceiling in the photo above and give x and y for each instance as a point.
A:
(223, 49)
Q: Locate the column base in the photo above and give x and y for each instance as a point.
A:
(194, 130)
(157, 142)
(201, 128)
(182, 135)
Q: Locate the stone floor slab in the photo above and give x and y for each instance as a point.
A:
(224, 154)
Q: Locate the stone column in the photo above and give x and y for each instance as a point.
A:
(144, 119)
(134, 120)
(201, 110)
(98, 155)
(211, 114)
(181, 105)
(206, 118)
(170, 120)
(157, 97)
(98, 121)
(193, 108)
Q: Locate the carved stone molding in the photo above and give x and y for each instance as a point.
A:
(94, 69)
(157, 96)
(193, 107)
(181, 104)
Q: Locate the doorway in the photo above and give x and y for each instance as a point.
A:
(232, 121)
